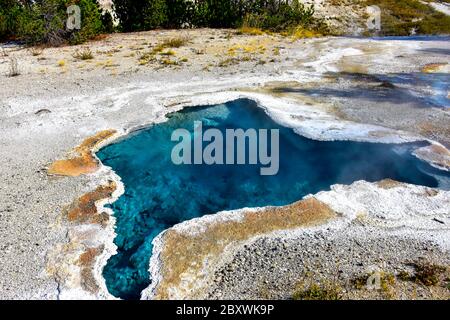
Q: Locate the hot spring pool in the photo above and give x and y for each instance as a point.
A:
(160, 194)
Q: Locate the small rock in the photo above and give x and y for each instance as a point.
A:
(42, 111)
(439, 221)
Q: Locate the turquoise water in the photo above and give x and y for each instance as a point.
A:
(159, 194)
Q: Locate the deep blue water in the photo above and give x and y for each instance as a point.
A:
(159, 194)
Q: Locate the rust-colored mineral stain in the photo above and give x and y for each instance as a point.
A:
(185, 253)
(84, 162)
(84, 210)
(86, 262)
(87, 258)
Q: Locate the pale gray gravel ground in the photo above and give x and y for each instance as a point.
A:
(275, 268)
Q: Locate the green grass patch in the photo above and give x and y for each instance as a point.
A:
(402, 17)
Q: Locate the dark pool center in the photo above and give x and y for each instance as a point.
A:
(159, 194)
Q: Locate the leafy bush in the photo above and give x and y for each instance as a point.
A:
(155, 14)
(219, 13)
(179, 13)
(107, 22)
(10, 10)
(267, 14)
(91, 22)
(44, 21)
(436, 23)
(283, 16)
(139, 15)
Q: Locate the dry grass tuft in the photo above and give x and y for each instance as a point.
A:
(302, 33)
(176, 42)
(83, 54)
(168, 53)
(428, 274)
(387, 283)
(4, 53)
(36, 51)
(319, 291)
(250, 31)
(13, 67)
(169, 62)
(228, 62)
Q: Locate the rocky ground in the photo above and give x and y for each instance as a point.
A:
(280, 268)
(368, 250)
(56, 100)
(338, 264)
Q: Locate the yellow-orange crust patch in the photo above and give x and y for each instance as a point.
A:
(84, 162)
(433, 67)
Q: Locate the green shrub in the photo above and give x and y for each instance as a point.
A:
(285, 16)
(10, 10)
(107, 22)
(41, 23)
(270, 14)
(219, 13)
(436, 23)
(139, 15)
(155, 14)
(91, 23)
(45, 21)
(179, 13)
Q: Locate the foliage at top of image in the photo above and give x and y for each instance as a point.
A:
(403, 17)
(44, 21)
(271, 15)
